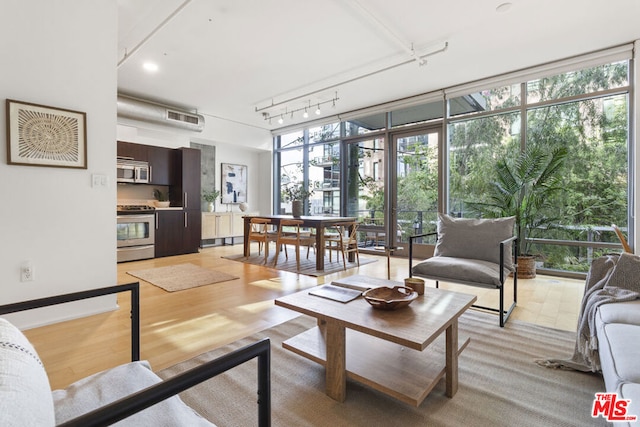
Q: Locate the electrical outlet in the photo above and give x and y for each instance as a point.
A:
(26, 272)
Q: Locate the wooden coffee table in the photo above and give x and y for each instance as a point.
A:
(402, 353)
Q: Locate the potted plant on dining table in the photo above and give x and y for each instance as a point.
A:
(296, 193)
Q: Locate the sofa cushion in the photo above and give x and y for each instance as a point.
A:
(630, 391)
(460, 270)
(475, 238)
(25, 393)
(108, 386)
(619, 350)
(620, 312)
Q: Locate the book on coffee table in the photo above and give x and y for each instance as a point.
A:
(336, 293)
(362, 283)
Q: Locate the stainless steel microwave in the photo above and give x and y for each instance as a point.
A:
(129, 170)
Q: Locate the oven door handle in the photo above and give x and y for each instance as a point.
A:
(142, 217)
(135, 248)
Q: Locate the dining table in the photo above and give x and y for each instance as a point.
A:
(319, 223)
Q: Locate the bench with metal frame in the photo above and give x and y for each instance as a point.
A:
(145, 398)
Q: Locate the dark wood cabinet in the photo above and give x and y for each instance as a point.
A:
(177, 232)
(160, 160)
(192, 232)
(186, 190)
(169, 230)
(132, 150)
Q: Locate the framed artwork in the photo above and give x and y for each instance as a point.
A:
(234, 183)
(38, 135)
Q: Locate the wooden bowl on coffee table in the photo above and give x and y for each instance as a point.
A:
(386, 298)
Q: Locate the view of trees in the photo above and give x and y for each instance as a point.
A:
(594, 176)
(585, 111)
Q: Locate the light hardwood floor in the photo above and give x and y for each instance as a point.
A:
(180, 325)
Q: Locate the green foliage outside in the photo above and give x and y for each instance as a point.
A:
(594, 174)
(593, 177)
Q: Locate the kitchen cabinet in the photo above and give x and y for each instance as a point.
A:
(186, 189)
(169, 229)
(160, 159)
(177, 232)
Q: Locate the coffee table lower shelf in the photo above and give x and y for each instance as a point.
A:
(402, 373)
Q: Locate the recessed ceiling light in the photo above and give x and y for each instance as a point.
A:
(502, 8)
(150, 66)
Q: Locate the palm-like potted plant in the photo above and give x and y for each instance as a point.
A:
(523, 188)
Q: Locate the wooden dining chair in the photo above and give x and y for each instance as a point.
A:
(259, 232)
(289, 233)
(344, 242)
(623, 240)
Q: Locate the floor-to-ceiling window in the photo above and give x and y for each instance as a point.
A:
(324, 171)
(397, 168)
(586, 112)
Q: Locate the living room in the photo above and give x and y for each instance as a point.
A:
(66, 59)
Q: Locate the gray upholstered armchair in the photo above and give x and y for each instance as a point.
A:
(475, 252)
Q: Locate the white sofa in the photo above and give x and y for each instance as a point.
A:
(132, 392)
(618, 332)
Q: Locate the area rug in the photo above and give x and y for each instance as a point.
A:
(307, 266)
(181, 276)
(499, 385)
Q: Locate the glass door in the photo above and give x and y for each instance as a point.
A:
(365, 190)
(414, 191)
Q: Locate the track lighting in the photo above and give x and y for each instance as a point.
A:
(305, 110)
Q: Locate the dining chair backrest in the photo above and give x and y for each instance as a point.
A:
(259, 232)
(289, 233)
(259, 225)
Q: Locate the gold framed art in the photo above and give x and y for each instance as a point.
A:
(39, 135)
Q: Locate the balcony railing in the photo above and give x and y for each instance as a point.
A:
(559, 257)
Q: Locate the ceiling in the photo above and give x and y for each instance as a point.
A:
(236, 60)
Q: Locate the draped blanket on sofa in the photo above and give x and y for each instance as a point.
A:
(611, 278)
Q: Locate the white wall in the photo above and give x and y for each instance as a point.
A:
(234, 143)
(60, 54)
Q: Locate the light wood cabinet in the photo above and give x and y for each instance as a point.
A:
(221, 225)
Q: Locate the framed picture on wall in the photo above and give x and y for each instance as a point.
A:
(234, 183)
(38, 135)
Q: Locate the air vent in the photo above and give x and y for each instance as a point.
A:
(136, 109)
(182, 117)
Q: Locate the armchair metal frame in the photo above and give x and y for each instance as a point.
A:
(503, 314)
(149, 396)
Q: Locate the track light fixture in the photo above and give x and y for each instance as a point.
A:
(305, 110)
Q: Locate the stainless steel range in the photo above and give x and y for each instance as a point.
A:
(136, 232)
